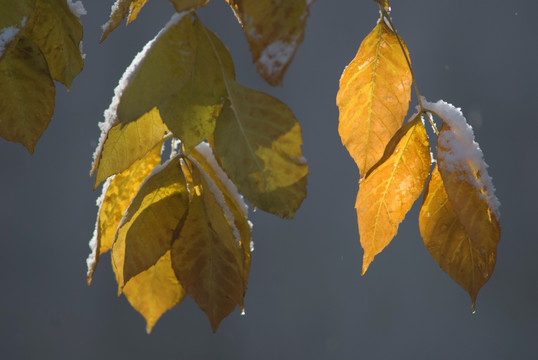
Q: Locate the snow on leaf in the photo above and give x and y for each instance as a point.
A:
(154, 217)
(373, 98)
(274, 31)
(205, 255)
(391, 187)
(117, 193)
(461, 153)
(470, 262)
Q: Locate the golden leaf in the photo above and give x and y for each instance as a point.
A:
(469, 262)
(391, 187)
(58, 34)
(257, 140)
(373, 98)
(27, 100)
(203, 154)
(118, 193)
(124, 145)
(181, 75)
(153, 219)
(206, 255)
(274, 30)
(185, 5)
(154, 291)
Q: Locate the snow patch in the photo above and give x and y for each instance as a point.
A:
(77, 8)
(8, 34)
(91, 261)
(463, 150)
(277, 55)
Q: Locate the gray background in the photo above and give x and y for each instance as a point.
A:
(306, 298)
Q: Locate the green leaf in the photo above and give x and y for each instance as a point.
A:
(180, 75)
(27, 100)
(153, 219)
(206, 256)
(58, 34)
(258, 142)
(123, 145)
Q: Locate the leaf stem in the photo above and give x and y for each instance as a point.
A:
(423, 110)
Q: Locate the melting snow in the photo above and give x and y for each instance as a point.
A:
(77, 8)
(277, 55)
(463, 149)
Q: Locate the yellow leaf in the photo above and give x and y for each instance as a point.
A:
(206, 254)
(153, 219)
(373, 98)
(154, 291)
(274, 31)
(13, 12)
(203, 154)
(58, 34)
(119, 11)
(469, 262)
(391, 187)
(470, 192)
(27, 100)
(124, 145)
(181, 75)
(383, 3)
(118, 192)
(258, 142)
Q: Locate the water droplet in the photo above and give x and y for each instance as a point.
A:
(251, 246)
(473, 310)
(243, 313)
(485, 274)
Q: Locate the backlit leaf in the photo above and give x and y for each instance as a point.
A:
(470, 192)
(391, 187)
(373, 98)
(181, 75)
(124, 145)
(153, 219)
(203, 154)
(258, 142)
(118, 192)
(206, 256)
(470, 263)
(154, 291)
(184, 5)
(27, 100)
(58, 34)
(274, 30)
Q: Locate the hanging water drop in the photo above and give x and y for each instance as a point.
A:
(243, 313)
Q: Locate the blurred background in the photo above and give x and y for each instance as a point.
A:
(306, 298)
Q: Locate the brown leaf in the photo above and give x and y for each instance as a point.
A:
(274, 31)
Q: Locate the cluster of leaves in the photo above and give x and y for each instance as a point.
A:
(459, 219)
(39, 42)
(180, 228)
